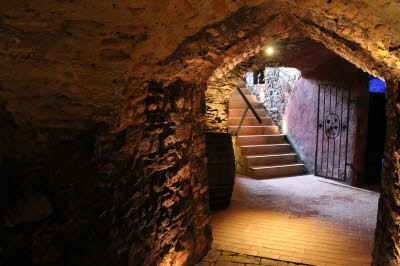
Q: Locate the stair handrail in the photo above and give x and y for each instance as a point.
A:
(249, 106)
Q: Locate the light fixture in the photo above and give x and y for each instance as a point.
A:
(269, 50)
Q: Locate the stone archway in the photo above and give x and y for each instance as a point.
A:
(239, 53)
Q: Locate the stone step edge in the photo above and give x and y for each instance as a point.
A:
(240, 99)
(264, 118)
(245, 109)
(265, 145)
(262, 126)
(269, 155)
(264, 135)
(276, 166)
(248, 117)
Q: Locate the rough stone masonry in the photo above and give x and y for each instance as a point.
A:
(102, 108)
(275, 92)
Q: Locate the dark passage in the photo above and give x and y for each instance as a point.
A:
(376, 133)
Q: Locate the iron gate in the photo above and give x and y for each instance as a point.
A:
(332, 132)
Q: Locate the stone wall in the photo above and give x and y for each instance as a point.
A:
(386, 237)
(300, 125)
(299, 122)
(274, 94)
(53, 213)
(108, 197)
(168, 218)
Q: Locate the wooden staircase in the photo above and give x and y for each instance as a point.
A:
(261, 151)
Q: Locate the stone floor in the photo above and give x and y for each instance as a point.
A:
(228, 258)
(302, 219)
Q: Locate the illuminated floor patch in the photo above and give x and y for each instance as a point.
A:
(300, 219)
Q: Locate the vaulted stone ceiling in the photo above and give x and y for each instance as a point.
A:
(60, 46)
(362, 28)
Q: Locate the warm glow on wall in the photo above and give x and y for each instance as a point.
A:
(175, 258)
(284, 125)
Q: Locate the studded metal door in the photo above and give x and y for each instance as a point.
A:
(332, 132)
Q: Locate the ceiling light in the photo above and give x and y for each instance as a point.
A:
(269, 50)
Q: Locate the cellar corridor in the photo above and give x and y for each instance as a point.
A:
(300, 219)
(106, 108)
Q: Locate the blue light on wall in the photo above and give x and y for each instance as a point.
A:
(376, 85)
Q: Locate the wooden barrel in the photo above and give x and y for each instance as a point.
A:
(220, 168)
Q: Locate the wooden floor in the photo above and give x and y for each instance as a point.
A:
(303, 219)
